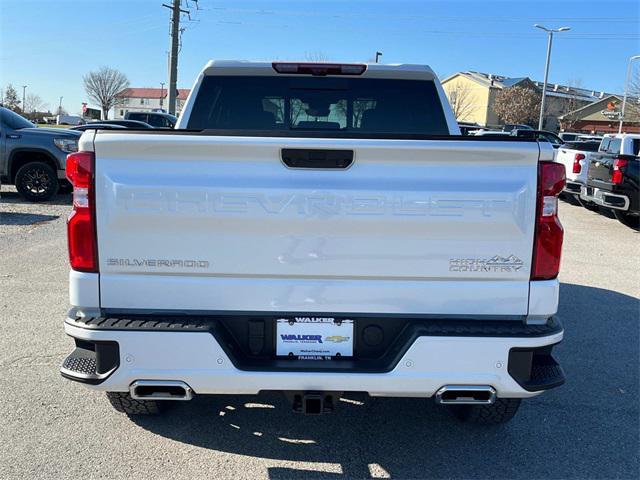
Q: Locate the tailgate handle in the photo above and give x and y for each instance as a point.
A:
(315, 158)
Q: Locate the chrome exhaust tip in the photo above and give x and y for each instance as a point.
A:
(466, 395)
(160, 390)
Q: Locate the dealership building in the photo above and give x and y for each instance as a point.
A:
(603, 116)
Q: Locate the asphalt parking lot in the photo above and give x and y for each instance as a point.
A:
(52, 428)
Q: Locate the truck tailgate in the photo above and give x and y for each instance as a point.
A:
(204, 223)
(600, 169)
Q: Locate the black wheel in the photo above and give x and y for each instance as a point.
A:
(36, 181)
(501, 411)
(625, 218)
(123, 402)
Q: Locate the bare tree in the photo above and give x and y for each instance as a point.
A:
(570, 105)
(103, 87)
(318, 57)
(461, 100)
(33, 103)
(518, 105)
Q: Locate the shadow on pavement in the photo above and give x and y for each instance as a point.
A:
(14, 198)
(16, 218)
(586, 428)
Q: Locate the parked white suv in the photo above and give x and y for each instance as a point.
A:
(315, 229)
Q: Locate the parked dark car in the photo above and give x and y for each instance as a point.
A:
(135, 124)
(614, 178)
(550, 137)
(98, 126)
(155, 119)
(34, 159)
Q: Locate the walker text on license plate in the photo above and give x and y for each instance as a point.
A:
(314, 337)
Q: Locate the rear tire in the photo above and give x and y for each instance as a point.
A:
(123, 403)
(501, 411)
(591, 206)
(36, 181)
(628, 220)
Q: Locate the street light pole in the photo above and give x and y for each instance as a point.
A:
(24, 88)
(626, 89)
(550, 31)
(60, 107)
(161, 94)
(378, 55)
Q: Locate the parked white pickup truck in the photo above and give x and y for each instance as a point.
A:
(575, 156)
(315, 229)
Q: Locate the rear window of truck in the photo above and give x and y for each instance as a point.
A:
(583, 146)
(334, 106)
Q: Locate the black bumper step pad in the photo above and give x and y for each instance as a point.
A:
(546, 373)
(80, 364)
(535, 369)
(91, 362)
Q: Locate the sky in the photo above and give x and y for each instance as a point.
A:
(49, 45)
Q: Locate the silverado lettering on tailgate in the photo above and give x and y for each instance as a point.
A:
(156, 263)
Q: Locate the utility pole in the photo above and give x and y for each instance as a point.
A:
(161, 94)
(173, 59)
(626, 89)
(550, 31)
(24, 88)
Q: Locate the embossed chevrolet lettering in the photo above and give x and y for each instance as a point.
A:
(317, 204)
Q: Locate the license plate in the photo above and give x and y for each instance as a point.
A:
(314, 338)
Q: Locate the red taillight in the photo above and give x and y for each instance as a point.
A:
(577, 168)
(618, 174)
(547, 245)
(319, 69)
(81, 225)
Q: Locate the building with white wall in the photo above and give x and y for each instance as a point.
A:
(147, 100)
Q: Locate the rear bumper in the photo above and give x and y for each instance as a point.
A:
(573, 187)
(604, 198)
(509, 362)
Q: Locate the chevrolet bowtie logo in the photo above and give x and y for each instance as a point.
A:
(336, 339)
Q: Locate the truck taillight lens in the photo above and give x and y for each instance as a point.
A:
(577, 168)
(618, 174)
(81, 225)
(547, 245)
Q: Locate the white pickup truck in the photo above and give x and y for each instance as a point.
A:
(315, 229)
(575, 156)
